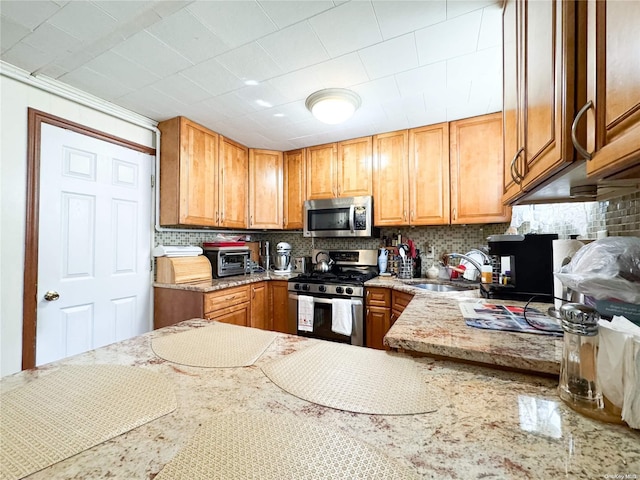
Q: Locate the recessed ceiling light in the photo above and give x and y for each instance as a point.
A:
(251, 82)
(278, 114)
(333, 105)
(262, 103)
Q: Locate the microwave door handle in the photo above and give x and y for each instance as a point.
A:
(352, 214)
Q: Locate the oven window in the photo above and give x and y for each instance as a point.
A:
(329, 219)
(322, 324)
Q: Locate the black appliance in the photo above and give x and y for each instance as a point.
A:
(522, 267)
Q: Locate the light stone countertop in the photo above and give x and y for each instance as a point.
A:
(227, 282)
(433, 324)
(495, 424)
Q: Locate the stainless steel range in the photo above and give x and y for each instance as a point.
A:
(329, 304)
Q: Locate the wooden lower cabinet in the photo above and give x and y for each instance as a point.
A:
(378, 316)
(246, 305)
(260, 317)
(279, 309)
(237, 314)
(384, 306)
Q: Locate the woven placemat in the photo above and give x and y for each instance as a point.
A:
(217, 345)
(356, 379)
(73, 409)
(275, 447)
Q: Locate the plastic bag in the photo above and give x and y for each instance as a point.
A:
(606, 268)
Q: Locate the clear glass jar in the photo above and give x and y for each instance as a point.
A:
(578, 386)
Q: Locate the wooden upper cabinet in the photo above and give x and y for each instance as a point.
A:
(391, 179)
(294, 189)
(353, 168)
(540, 91)
(429, 175)
(321, 171)
(189, 173)
(233, 178)
(613, 87)
(512, 101)
(339, 169)
(476, 170)
(265, 189)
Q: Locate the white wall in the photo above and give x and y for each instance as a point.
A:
(15, 98)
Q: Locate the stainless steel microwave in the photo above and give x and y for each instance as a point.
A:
(339, 217)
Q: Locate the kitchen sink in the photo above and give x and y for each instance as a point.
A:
(439, 287)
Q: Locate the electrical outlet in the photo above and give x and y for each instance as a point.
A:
(431, 252)
(601, 234)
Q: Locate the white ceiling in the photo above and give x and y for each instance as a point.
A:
(245, 68)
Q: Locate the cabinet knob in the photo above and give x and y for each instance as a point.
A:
(574, 127)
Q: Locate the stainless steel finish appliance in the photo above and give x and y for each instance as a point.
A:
(352, 268)
(282, 258)
(227, 261)
(522, 267)
(339, 217)
(265, 255)
(302, 264)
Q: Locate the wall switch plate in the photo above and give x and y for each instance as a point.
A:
(601, 234)
(431, 252)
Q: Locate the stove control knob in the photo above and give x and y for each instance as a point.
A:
(305, 287)
(297, 286)
(339, 290)
(322, 288)
(349, 290)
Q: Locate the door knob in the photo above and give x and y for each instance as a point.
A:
(51, 296)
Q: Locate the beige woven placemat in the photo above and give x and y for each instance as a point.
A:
(275, 447)
(356, 379)
(73, 409)
(218, 345)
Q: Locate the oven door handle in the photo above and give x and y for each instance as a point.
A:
(355, 301)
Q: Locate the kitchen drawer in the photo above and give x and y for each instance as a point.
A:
(399, 300)
(377, 296)
(226, 298)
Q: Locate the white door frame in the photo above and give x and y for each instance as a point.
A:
(30, 301)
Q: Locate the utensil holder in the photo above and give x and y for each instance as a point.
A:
(405, 268)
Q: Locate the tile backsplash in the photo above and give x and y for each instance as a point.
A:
(619, 216)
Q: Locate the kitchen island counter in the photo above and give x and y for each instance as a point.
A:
(494, 424)
(433, 324)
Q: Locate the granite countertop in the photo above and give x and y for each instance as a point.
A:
(496, 424)
(227, 282)
(432, 324)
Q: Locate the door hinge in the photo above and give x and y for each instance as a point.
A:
(153, 181)
(151, 264)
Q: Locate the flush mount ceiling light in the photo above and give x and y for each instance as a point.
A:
(333, 105)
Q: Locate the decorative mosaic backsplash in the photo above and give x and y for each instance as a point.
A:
(620, 216)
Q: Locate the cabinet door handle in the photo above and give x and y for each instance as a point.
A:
(516, 176)
(217, 216)
(574, 126)
(251, 220)
(455, 213)
(404, 215)
(284, 222)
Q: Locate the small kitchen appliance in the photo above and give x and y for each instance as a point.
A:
(343, 282)
(282, 258)
(339, 217)
(302, 264)
(522, 267)
(227, 261)
(265, 255)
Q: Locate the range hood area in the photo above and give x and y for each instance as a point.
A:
(572, 185)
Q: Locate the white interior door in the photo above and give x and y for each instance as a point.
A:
(94, 248)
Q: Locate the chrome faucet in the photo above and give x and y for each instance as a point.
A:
(471, 260)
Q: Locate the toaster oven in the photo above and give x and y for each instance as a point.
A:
(227, 261)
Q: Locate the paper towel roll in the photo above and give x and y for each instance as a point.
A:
(563, 250)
